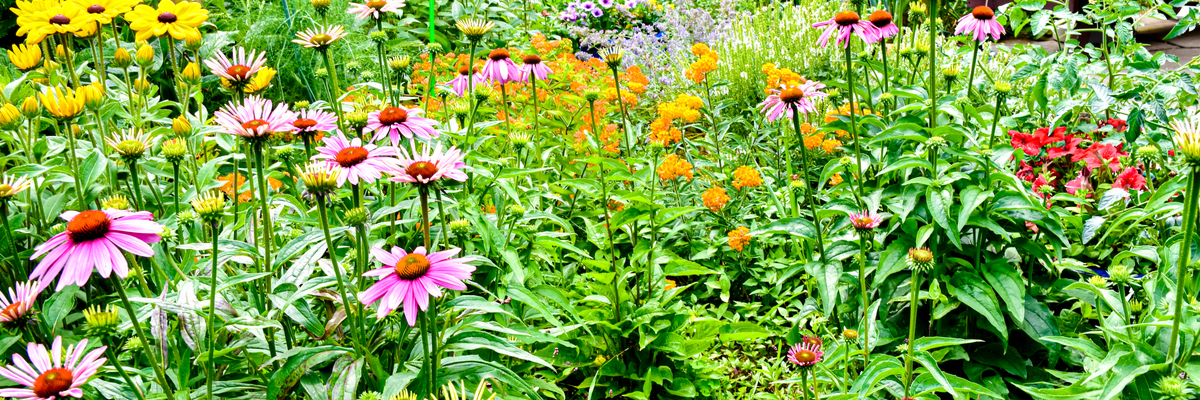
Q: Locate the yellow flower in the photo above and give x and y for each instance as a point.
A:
(62, 102)
(121, 58)
(66, 18)
(10, 117)
(145, 55)
(178, 19)
(191, 73)
(92, 95)
(29, 7)
(103, 11)
(25, 57)
(261, 80)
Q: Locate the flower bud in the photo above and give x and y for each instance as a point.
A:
(210, 207)
(357, 119)
(186, 216)
(10, 117)
(121, 58)
(1098, 281)
(920, 259)
(1121, 274)
(191, 73)
(378, 36)
(850, 334)
(145, 56)
(180, 126)
(193, 41)
(116, 201)
(174, 150)
(300, 105)
(357, 216)
(31, 107)
(101, 321)
(1002, 87)
(460, 227)
(516, 209)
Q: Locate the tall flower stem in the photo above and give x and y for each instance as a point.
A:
(862, 283)
(1185, 255)
(268, 231)
(857, 175)
(432, 74)
(73, 163)
(914, 298)
(804, 383)
(423, 191)
(175, 177)
(17, 266)
(974, 62)
(355, 323)
(427, 349)
(134, 181)
(883, 52)
(470, 89)
(624, 113)
(147, 346)
(507, 109)
(112, 355)
(334, 87)
(537, 135)
(387, 80)
(101, 69)
(212, 309)
(612, 251)
(987, 171)
(933, 99)
(808, 187)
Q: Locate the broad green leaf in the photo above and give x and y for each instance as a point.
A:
(1008, 284)
(969, 289)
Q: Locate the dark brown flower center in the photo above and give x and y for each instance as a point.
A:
(238, 72)
(532, 59)
(983, 12)
(60, 19)
(422, 169)
(52, 382)
(10, 312)
(806, 356)
(880, 18)
(412, 266)
(167, 18)
(304, 123)
(791, 96)
(463, 70)
(95, 9)
(846, 18)
(351, 156)
(812, 340)
(87, 226)
(393, 115)
(254, 124)
(498, 54)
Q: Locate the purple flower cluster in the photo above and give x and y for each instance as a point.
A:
(584, 10)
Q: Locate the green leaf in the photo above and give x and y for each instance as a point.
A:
(521, 294)
(881, 368)
(934, 342)
(969, 289)
(930, 364)
(60, 304)
(972, 197)
(827, 276)
(1086, 346)
(92, 167)
(483, 340)
(1124, 373)
(798, 226)
(1007, 283)
(1090, 227)
(284, 378)
(744, 330)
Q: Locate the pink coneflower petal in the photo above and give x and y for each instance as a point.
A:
(255, 117)
(358, 162)
(394, 122)
(92, 241)
(52, 373)
(428, 165)
(411, 278)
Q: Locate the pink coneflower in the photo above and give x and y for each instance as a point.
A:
(375, 8)
(805, 354)
(53, 374)
(429, 165)
(94, 239)
(533, 64)
(395, 121)
(980, 24)
(357, 161)
(410, 278)
(319, 37)
(241, 68)
(783, 100)
(847, 23)
(460, 83)
(882, 20)
(21, 299)
(865, 220)
(312, 122)
(255, 117)
(499, 68)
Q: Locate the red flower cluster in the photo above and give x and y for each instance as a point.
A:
(1052, 154)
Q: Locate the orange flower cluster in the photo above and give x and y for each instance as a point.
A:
(814, 140)
(835, 179)
(745, 176)
(247, 192)
(615, 205)
(832, 115)
(636, 80)
(715, 198)
(673, 167)
(739, 237)
(685, 107)
(609, 141)
(831, 145)
(777, 77)
(707, 62)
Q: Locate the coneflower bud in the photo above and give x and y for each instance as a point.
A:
(1002, 87)
(460, 108)
(950, 74)
(351, 65)
(357, 216)
(121, 58)
(370, 396)
(319, 178)
(920, 259)
(460, 227)
(367, 75)
(210, 207)
(1098, 281)
(357, 119)
(378, 36)
(300, 105)
(191, 73)
(520, 140)
(474, 28)
(186, 216)
(101, 321)
(484, 93)
(850, 334)
(918, 8)
(434, 48)
(1173, 388)
(116, 201)
(886, 98)
(321, 72)
(30, 108)
(174, 150)
(145, 56)
(516, 209)
(1187, 139)
(1136, 306)
(1121, 274)
(398, 64)
(321, 5)
(613, 57)
(591, 95)
(936, 142)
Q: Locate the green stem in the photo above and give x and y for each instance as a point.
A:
(624, 113)
(1185, 255)
(862, 282)
(212, 309)
(808, 186)
(112, 356)
(334, 88)
(915, 290)
(537, 136)
(857, 175)
(971, 74)
(933, 100)
(147, 346)
(355, 325)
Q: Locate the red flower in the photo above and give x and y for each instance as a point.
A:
(1069, 147)
(1119, 125)
(1130, 179)
(1100, 154)
(1026, 142)
(1043, 135)
(1080, 182)
(1026, 173)
(1041, 187)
